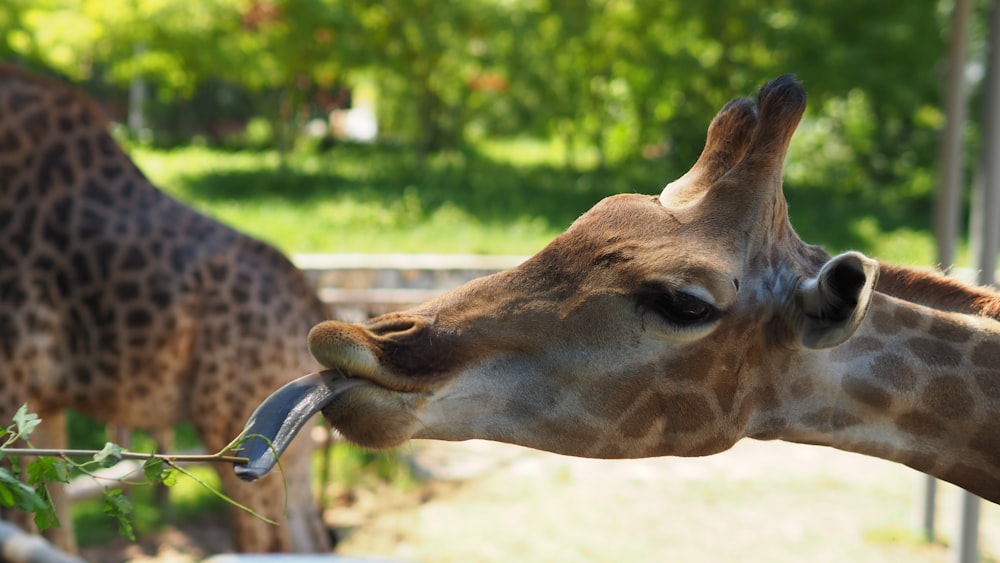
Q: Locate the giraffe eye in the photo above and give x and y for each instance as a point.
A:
(677, 307)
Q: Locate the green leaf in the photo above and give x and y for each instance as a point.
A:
(109, 455)
(46, 517)
(159, 472)
(169, 478)
(25, 421)
(24, 497)
(47, 470)
(6, 496)
(119, 507)
(153, 468)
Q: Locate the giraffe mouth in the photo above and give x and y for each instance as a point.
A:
(276, 421)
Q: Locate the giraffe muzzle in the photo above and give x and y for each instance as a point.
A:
(276, 422)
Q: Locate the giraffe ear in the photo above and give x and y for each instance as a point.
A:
(833, 304)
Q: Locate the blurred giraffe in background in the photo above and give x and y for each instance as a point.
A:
(125, 304)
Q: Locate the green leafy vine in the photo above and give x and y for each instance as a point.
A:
(27, 489)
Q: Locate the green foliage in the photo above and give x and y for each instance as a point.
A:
(32, 496)
(616, 75)
(29, 491)
(119, 508)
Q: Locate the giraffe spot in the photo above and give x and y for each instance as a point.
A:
(949, 396)
(949, 331)
(801, 388)
(987, 442)
(56, 234)
(766, 398)
(37, 126)
(97, 194)
(859, 346)
(111, 171)
(9, 142)
(65, 124)
(866, 392)
(19, 100)
(686, 412)
(161, 299)
(62, 209)
(52, 160)
(970, 478)
(934, 352)
(106, 144)
(986, 355)
(239, 294)
(638, 422)
(84, 153)
(921, 461)
(907, 317)
(893, 370)
(138, 318)
(89, 225)
(919, 423)
(830, 418)
(989, 382)
(597, 402)
(127, 290)
(82, 375)
(81, 269)
(133, 259)
(884, 322)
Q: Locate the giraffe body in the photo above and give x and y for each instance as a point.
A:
(680, 324)
(123, 303)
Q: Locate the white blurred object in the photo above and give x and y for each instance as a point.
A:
(356, 124)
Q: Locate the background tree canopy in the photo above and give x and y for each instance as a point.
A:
(624, 81)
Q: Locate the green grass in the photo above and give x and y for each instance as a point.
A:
(355, 199)
(499, 198)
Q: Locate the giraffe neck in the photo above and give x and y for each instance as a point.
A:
(915, 385)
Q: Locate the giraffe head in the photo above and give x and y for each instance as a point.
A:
(645, 329)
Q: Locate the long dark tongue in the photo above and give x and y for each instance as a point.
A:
(282, 414)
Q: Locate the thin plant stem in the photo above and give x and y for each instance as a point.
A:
(125, 454)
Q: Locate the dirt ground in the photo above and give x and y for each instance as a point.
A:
(486, 502)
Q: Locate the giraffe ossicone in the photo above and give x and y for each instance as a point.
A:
(681, 323)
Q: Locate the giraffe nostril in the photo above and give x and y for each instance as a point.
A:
(396, 326)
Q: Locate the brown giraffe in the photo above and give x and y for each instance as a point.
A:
(120, 302)
(678, 325)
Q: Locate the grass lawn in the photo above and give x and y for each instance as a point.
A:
(500, 198)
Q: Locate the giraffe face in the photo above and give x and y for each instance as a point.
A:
(640, 331)
(582, 339)
(628, 336)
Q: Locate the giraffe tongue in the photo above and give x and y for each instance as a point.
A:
(282, 414)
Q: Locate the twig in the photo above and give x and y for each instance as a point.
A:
(125, 454)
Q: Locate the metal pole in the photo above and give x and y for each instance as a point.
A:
(966, 550)
(137, 98)
(949, 197)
